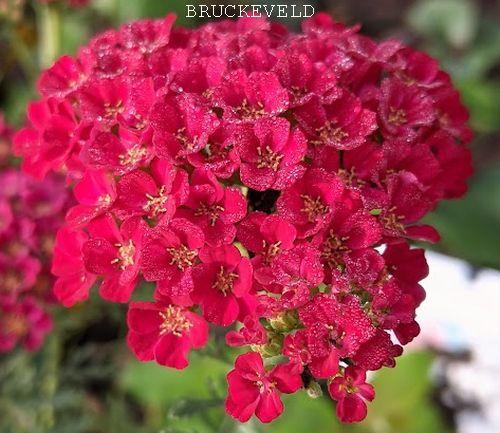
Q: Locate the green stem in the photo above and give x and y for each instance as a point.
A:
(49, 34)
(48, 381)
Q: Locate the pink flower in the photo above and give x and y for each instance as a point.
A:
(270, 153)
(403, 109)
(199, 74)
(73, 281)
(164, 332)
(351, 233)
(253, 390)
(335, 329)
(344, 124)
(377, 352)
(181, 125)
(403, 203)
(455, 166)
(95, 193)
(221, 283)
(213, 208)
(351, 392)
(305, 79)
(17, 276)
(154, 195)
(246, 98)
(62, 78)
(452, 115)
(120, 100)
(308, 204)
(267, 236)
(219, 155)
(295, 347)
(24, 323)
(294, 273)
(30, 212)
(115, 253)
(121, 153)
(48, 142)
(169, 256)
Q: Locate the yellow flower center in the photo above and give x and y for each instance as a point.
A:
(174, 321)
(126, 254)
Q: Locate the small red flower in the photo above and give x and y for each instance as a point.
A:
(181, 126)
(305, 79)
(351, 392)
(334, 329)
(221, 283)
(267, 236)
(403, 203)
(121, 153)
(169, 256)
(294, 273)
(308, 204)
(73, 280)
(95, 193)
(164, 332)
(252, 332)
(155, 195)
(246, 98)
(403, 109)
(270, 153)
(213, 208)
(219, 155)
(49, 141)
(18, 276)
(343, 124)
(62, 78)
(253, 390)
(351, 233)
(114, 253)
(24, 323)
(30, 212)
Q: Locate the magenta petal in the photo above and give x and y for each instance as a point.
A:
(144, 317)
(241, 412)
(219, 309)
(171, 351)
(270, 407)
(142, 345)
(351, 408)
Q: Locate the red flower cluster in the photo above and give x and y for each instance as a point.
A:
(30, 212)
(255, 176)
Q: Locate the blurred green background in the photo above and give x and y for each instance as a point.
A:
(84, 379)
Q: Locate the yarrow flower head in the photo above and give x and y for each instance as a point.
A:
(263, 181)
(30, 213)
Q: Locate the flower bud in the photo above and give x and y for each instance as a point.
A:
(314, 390)
(285, 322)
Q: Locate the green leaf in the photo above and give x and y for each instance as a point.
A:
(126, 10)
(155, 385)
(481, 97)
(470, 228)
(454, 21)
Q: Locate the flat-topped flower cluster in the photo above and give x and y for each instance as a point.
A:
(264, 181)
(30, 213)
